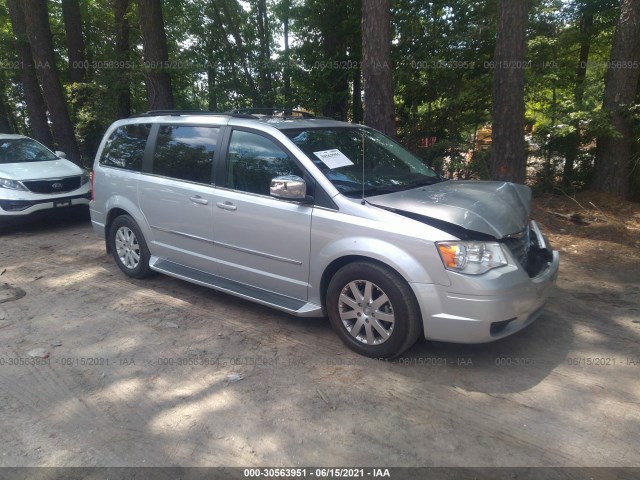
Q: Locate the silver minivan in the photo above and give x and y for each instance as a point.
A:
(317, 217)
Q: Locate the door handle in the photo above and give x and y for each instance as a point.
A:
(199, 200)
(227, 206)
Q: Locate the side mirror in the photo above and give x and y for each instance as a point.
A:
(60, 154)
(289, 187)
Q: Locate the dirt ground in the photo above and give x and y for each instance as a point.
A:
(160, 372)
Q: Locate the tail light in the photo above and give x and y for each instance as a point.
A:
(91, 180)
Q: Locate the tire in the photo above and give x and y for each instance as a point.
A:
(373, 310)
(128, 247)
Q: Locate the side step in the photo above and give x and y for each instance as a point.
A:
(258, 295)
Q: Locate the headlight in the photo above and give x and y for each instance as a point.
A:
(11, 184)
(472, 258)
(84, 178)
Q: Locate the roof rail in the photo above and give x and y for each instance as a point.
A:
(238, 113)
(151, 113)
(274, 112)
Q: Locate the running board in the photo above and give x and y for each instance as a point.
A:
(258, 295)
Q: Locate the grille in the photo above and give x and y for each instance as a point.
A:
(53, 185)
(519, 245)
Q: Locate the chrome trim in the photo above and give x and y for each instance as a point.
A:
(52, 179)
(288, 187)
(231, 247)
(182, 234)
(260, 254)
(227, 206)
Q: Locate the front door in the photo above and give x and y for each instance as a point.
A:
(259, 240)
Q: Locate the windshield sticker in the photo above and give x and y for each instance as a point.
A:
(333, 158)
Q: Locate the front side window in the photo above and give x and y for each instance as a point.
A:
(18, 150)
(254, 160)
(125, 147)
(185, 152)
(357, 159)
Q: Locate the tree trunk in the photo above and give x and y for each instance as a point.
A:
(264, 54)
(156, 54)
(379, 111)
(356, 102)
(37, 21)
(581, 74)
(286, 80)
(32, 95)
(5, 120)
(508, 151)
(237, 50)
(337, 78)
(123, 100)
(75, 41)
(585, 47)
(212, 96)
(613, 157)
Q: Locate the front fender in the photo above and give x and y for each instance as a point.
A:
(334, 243)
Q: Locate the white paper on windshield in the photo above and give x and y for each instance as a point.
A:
(333, 158)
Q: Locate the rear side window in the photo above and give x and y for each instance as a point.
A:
(125, 147)
(185, 152)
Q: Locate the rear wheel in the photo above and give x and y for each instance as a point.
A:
(373, 310)
(129, 247)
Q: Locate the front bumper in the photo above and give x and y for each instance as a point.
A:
(488, 307)
(24, 205)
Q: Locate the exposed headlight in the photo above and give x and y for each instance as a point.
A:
(472, 258)
(84, 178)
(11, 184)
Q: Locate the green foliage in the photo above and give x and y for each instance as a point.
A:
(221, 56)
(563, 110)
(443, 82)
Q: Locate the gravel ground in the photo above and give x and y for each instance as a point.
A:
(160, 372)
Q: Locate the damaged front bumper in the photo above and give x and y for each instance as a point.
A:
(484, 308)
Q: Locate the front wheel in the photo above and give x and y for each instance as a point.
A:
(129, 247)
(373, 310)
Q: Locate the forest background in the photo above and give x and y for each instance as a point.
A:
(537, 91)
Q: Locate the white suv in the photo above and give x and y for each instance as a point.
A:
(33, 178)
(318, 217)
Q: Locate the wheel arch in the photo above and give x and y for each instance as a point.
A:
(111, 216)
(120, 205)
(340, 262)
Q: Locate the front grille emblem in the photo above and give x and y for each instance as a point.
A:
(57, 186)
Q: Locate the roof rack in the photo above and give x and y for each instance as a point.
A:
(178, 113)
(238, 113)
(273, 112)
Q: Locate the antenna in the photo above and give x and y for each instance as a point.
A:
(363, 201)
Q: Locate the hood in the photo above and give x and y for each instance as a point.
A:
(497, 209)
(39, 170)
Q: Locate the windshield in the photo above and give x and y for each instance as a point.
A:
(17, 150)
(383, 166)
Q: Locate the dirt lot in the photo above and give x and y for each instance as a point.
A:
(160, 372)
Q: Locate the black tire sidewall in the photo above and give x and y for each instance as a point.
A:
(142, 269)
(401, 297)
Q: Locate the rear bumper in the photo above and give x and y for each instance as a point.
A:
(510, 301)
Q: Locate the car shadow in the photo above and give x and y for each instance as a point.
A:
(45, 221)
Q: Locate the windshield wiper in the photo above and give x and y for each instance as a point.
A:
(424, 182)
(370, 191)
